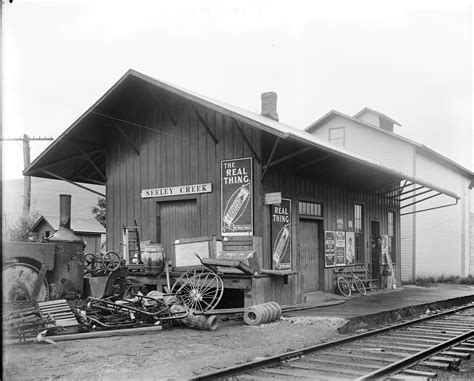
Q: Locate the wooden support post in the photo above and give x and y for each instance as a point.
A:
(126, 137)
(93, 164)
(266, 166)
(289, 156)
(71, 182)
(246, 141)
(211, 134)
(162, 105)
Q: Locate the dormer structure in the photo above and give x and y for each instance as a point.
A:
(377, 119)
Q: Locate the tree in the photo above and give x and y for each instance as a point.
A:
(20, 229)
(99, 211)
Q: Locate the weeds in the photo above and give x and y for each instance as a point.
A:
(451, 279)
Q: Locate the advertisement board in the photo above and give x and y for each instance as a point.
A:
(329, 249)
(236, 197)
(280, 224)
(350, 251)
(340, 248)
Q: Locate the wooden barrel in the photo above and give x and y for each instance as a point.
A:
(153, 258)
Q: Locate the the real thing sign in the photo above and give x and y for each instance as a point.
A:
(280, 222)
(237, 197)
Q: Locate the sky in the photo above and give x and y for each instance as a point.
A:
(411, 60)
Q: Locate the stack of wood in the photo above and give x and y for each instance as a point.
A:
(60, 312)
(25, 323)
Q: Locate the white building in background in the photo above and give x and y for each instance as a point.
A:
(433, 242)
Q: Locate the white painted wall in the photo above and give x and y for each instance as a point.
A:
(373, 144)
(370, 117)
(442, 234)
(434, 242)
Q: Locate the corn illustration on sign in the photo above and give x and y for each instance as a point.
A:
(280, 216)
(237, 197)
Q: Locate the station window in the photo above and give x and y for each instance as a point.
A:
(337, 136)
(310, 209)
(359, 232)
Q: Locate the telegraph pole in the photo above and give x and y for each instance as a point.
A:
(26, 161)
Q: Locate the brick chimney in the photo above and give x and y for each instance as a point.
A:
(269, 105)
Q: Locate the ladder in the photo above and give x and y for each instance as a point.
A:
(131, 239)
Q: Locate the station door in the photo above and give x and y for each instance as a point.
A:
(176, 220)
(309, 242)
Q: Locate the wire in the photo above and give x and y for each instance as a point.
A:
(142, 126)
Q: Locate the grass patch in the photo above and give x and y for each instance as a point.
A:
(450, 279)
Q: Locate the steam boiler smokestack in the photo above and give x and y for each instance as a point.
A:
(65, 211)
(64, 233)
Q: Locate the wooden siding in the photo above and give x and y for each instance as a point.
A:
(371, 143)
(338, 202)
(170, 156)
(442, 235)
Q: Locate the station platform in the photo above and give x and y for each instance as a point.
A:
(384, 306)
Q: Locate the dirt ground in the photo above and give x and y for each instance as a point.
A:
(175, 353)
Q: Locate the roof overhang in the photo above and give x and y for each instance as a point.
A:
(79, 154)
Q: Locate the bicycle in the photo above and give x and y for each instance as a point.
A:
(343, 284)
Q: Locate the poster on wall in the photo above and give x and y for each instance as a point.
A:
(385, 251)
(339, 224)
(340, 248)
(350, 251)
(280, 217)
(329, 249)
(236, 197)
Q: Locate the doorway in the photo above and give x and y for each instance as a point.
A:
(309, 242)
(176, 220)
(376, 248)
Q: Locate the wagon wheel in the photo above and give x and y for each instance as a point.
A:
(111, 261)
(89, 259)
(200, 289)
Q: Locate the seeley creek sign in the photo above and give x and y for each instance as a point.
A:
(177, 191)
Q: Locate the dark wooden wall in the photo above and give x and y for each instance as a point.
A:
(338, 202)
(171, 155)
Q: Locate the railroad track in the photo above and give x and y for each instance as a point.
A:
(417, 349)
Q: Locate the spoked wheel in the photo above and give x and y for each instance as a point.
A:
(111, 261)
(200, 289)
(359, 285)
(89, 259)
(343, 286)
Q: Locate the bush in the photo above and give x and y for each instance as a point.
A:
(20, 229)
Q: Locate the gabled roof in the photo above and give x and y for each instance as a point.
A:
(377, 113)
(78, 225)
(61, 160)
(422, 148)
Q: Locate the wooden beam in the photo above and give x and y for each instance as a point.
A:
(162, 105)
(68, 159)
(289, 156)
(71, 182)
(99, 171)
(211, 134)
(416, 195)
(90, 180)
(314, 161)
(266, 166)
(247, 142)
(126, 137)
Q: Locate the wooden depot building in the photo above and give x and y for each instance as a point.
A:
(189, 169)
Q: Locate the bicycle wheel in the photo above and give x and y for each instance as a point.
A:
(343, 286)
(359, 285)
